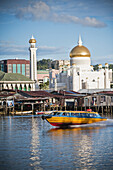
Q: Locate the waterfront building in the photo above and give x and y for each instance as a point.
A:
(33, 60)
(43, 75)
(57, 63)
(79, 74)
(16, 81)
(16, 66)
(20, 74)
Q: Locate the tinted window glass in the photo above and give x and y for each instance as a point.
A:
(75, 114)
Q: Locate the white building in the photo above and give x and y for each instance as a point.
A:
(80, 73)
(33, 60)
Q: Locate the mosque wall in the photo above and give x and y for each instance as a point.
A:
(80, 74)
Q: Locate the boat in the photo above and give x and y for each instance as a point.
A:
(21, 112)
(40, 113)
(69, 118)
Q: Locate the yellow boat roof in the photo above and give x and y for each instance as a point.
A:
(78, 111)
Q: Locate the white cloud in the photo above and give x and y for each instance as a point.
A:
(92, 22)
(42, 11)
(103, 59)
(38, 10)
(8, 48)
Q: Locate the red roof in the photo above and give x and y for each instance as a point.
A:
(43, 93)
(106, 92)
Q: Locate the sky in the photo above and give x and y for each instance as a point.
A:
(56, 25)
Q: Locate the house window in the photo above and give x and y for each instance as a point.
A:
(2, 67)
(9, 68)
(14, 68)
(23, 69)
(18, 68)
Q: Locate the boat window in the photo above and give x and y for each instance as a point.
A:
(65, 114)
(68, 114)
(82, 115)
(87, 114)
(56, 113)
(75, 114)
(72, 114)
(98, 115)
(94, 115)
(91, 115)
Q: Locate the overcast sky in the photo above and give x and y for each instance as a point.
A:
(56, 25)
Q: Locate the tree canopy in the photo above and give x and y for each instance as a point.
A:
(43, 64)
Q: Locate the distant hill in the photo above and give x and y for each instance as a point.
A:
(43, 64)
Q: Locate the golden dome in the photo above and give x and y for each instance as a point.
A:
(80, 50)
(32, 40)
(100, 64)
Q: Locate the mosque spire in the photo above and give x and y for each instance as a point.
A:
(80, 41)
(32, 37)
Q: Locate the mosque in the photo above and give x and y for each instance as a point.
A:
(14, 76)
(80, 74)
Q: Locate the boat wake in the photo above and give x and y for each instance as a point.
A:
(108, 122)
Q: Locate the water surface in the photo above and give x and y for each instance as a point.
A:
(28, 142)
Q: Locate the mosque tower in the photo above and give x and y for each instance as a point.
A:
(33, 60)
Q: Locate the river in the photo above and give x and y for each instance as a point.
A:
(28, 142)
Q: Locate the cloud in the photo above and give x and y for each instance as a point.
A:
(92, 22)
(46, 50)
(8, 48)
(42, 11)
(36, 11)
(102, 60)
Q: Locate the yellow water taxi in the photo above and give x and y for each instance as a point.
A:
(67, 118)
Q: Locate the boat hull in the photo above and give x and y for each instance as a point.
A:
(67, 121)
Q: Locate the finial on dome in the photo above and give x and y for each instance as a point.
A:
(32, 37)
(80, 41)
(32, 40)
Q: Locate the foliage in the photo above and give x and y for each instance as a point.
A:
(44, 86)
(95, 67)
(111, 66)
(43, 64)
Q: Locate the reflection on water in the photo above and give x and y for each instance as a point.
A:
(81, 142)
(35, 144)
(30, 143)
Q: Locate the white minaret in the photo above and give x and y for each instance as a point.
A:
(33, 60)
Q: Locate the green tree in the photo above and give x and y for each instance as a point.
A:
(43, 64)
(44, 86)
